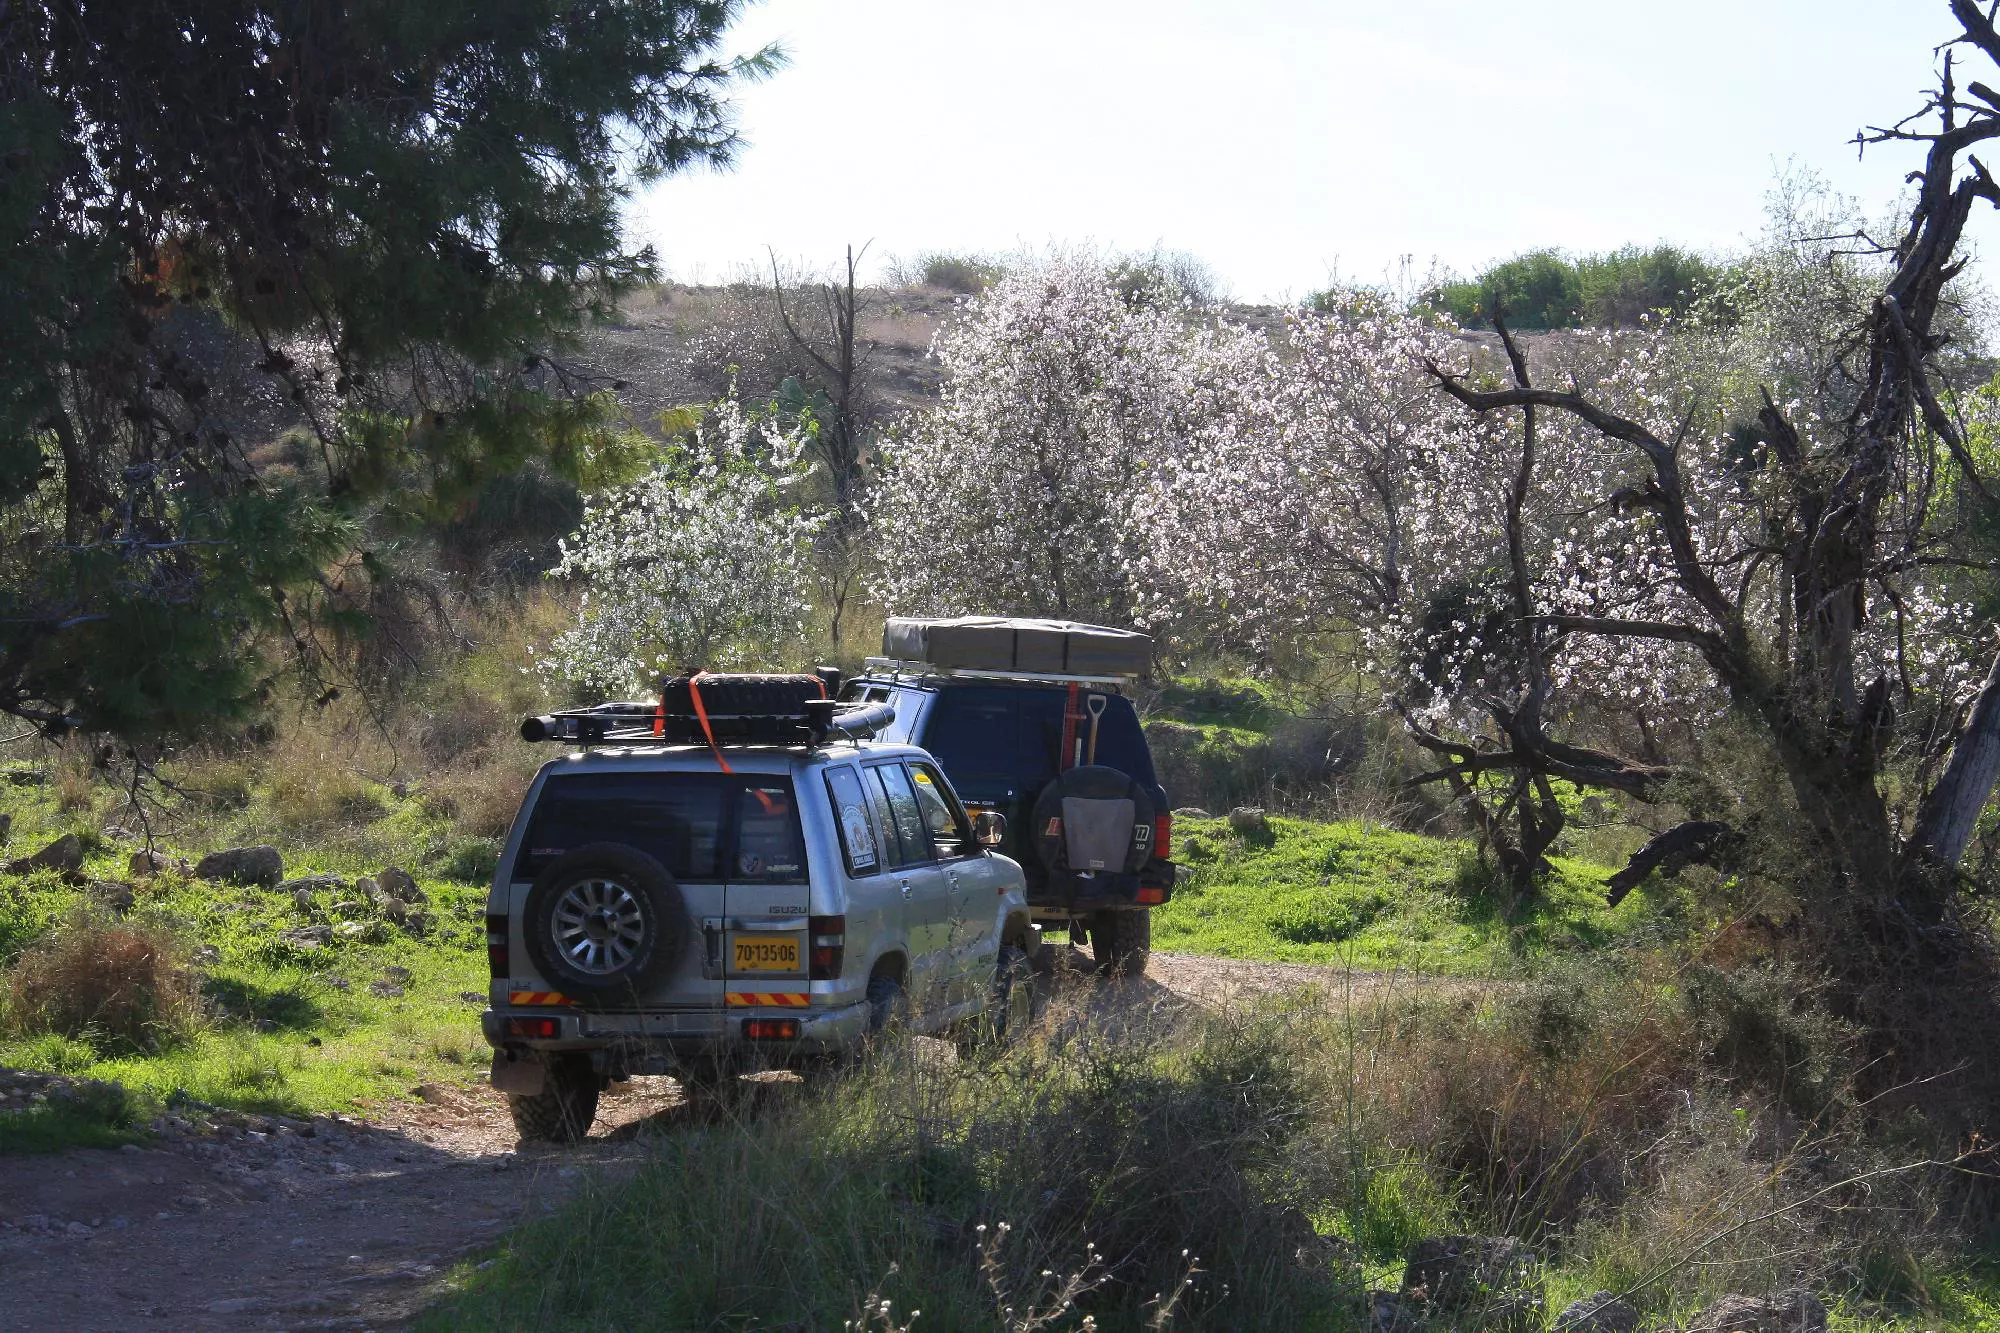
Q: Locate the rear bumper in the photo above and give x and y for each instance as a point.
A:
(660, 1041)
(1057, 900)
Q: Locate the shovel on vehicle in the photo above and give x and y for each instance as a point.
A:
(1095, 707)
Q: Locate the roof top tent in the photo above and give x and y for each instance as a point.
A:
(1004, 647)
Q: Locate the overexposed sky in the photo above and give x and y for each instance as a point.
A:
(1284, 141)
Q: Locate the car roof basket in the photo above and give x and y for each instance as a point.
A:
(716, 711)
(920, 671)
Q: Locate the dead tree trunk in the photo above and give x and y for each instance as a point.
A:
(1951, 812)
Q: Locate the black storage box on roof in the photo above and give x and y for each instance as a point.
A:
(1001, 643)
(741, 708)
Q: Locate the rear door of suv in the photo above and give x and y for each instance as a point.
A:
(679, 819)
(762, 946)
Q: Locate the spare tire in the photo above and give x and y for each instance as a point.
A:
(604, 921)
(1095, 785)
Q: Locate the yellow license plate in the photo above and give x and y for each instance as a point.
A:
(765, 953)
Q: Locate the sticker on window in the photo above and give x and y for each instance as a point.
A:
(860, 837)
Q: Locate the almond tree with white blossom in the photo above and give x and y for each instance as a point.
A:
(1061, 400)
(701, 563)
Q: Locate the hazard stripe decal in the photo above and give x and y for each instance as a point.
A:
(537, 997)
(743, 999)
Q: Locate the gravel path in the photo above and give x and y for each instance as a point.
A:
(346, 1223)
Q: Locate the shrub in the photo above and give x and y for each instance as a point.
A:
(117, 985)
(1546, 289)
(966, 274)
(481, 801)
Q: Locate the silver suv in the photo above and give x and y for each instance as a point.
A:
(703, 910)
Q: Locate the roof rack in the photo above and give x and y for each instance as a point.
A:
(637, 722)
(902, 670)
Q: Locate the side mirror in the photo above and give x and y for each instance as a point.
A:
(989, 828)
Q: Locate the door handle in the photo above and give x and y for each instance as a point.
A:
(904, 885)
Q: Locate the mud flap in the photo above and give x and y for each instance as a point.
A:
(517, 1074)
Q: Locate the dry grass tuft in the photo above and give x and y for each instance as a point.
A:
(118, 985)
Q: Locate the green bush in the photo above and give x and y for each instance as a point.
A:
(1546, 289)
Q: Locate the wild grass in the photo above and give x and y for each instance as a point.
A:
(255, 1023)
(1285, 1153)
(1356, 893)
(121, 986)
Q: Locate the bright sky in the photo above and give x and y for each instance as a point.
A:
(1283, 141)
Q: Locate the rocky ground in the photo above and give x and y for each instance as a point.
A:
(244, 1222)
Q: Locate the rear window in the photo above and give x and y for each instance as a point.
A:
(703, 827)
(994, 736)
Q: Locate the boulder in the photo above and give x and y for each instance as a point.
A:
(1493, 1279)
(302, 889)
(1388, 1314)
(307, 937)
(1192, 812)
(243, 865)
(351, 930)
(114, 894)
(117, 833)
(1248, 819)
(1599, 1312)
(1795, 1311)
(65, 854)
(399, 884)
(148, 863)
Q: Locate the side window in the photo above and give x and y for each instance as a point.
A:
(769, 849)
(857, 824)
(942, 819)
(904, 814)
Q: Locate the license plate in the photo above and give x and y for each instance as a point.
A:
(765, 953)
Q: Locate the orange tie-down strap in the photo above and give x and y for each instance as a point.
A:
(745, 999)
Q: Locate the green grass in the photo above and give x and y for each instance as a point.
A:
(1964, 1299)
(285, 1029)
(1359, 894)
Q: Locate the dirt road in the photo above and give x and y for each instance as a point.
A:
(346, 1223)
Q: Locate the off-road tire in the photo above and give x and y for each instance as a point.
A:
(1020, 992)
(653, 902)
(562, 1111)
(1121, 942)
(888, 1006)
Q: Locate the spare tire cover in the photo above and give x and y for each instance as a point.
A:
(604, 921)
(1105, 789)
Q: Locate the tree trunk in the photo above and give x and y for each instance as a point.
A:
(1951, 811)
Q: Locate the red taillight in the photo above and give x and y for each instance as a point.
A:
(1150, 897)
(771, 1029)
(497, 962)
(534, 1029)
(1163, 837)
(828, 947)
